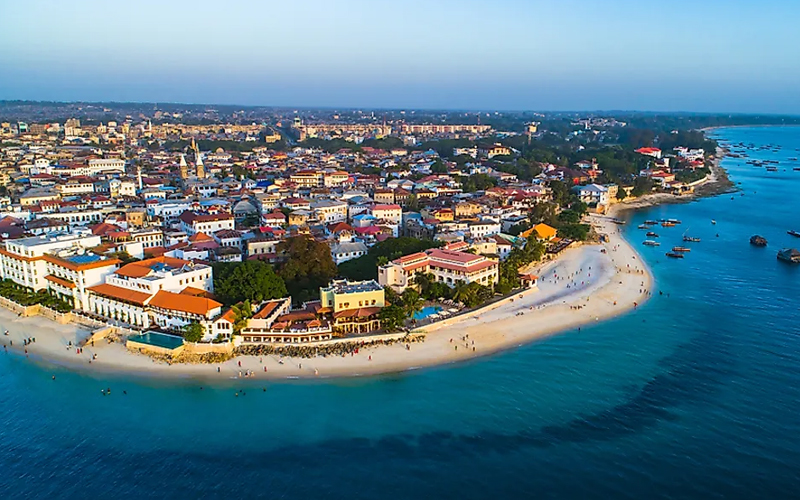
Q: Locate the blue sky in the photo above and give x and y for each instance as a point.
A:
(700, 55)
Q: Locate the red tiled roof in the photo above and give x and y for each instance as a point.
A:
(143, 267)
(184, 303)
(361, 312)
(119, 293)
(268, 309)
(59, 281)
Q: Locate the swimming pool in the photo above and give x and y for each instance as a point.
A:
(426, 311)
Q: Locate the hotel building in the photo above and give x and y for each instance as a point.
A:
(23, 260)
(447, 266)
(164, 291)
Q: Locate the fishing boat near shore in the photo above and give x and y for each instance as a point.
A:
(674, 255)
(793, 233)
(667, 224)
(618, 221)
(758, 241)
(651, 243)
(652, 234)
(651, 222)
(681, 249)
(644, 226)
(691, 239)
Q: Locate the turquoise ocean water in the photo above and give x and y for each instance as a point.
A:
(695, 395)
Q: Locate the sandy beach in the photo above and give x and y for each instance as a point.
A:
(584, 285)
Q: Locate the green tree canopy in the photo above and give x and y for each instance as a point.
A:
(193, 332)
(251, 280)
(308, 267)
(392, 317)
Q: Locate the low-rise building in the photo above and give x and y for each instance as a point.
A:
(193, 222)
(355, 306)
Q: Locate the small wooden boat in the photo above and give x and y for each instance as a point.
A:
(793, 233)
(758, 241)
(667, 224)
(650, 222)
(674, 255)
(713, 221)
(673, 221)
(796, 169)
(652, 234)
(691, 239)
(651, 243)
(643, 226)
(790, 255)
(772, 169)
(681, 249)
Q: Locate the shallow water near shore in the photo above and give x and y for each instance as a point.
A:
(694, 395)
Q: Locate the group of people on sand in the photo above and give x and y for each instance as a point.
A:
(466, 340)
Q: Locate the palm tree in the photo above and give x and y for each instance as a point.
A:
(412, 302)
(241, 313)
(423, 281)
(461, 292)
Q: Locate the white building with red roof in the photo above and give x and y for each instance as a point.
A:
(447, 266)
(654, 152)
(389, 212)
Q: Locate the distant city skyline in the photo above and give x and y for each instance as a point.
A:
(718, 56)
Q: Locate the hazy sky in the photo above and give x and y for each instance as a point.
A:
(694, 55)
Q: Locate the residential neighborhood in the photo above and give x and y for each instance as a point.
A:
(127, 221)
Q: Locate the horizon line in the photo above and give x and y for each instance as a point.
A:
(378, 108)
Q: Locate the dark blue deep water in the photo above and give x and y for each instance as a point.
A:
(695, 395)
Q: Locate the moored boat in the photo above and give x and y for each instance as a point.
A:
(790, 255)
(674, 255)
(650, 222)
(652, 234)
(667, 224)
(793, 233)
(651, 243)
(691, 239)
(758, 241)
(681, 249)
(643, 226)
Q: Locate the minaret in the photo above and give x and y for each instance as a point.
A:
(184, 167)
(139, 176)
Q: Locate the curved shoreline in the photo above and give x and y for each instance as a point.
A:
(608, 290)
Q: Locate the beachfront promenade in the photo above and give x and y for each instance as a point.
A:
(584, 285)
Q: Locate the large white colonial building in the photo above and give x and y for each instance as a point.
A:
(163, 291)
